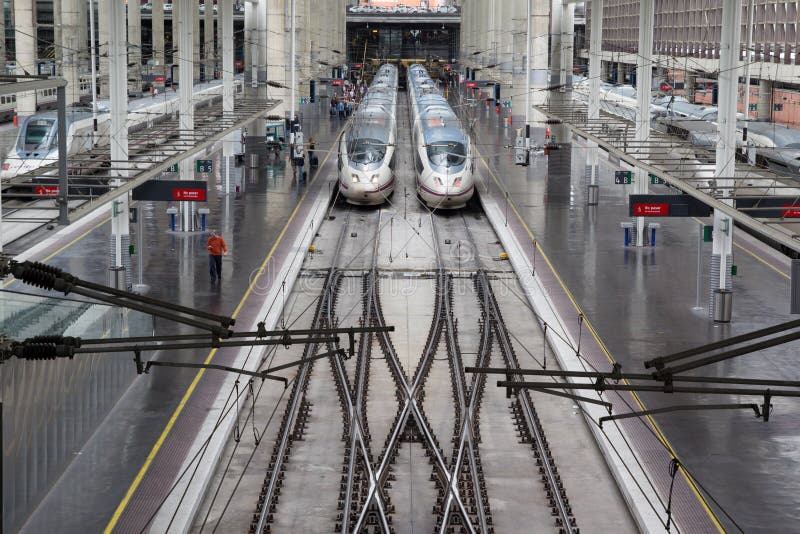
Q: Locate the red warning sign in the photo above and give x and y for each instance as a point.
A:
(46, 189)
(791, 211)
(189, 194)
(472, 85)
(651, 210)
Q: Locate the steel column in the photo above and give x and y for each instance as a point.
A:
(63, 184)
(118, 91)
(644, 82)
(726, 128)
(595, 62)
(187, 14)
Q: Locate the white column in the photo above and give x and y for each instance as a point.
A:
(226, 31)
(135, 46)
(118, 91)
(157, 35)
(595, 61)
(102, 46)
(644, 75)
(726, 146)
(208, 39)
(293, 58)
(25, 41)
(540, 37)
(3, 38)
(557, 12)
(567, 42)
(185, 39)
(58, 52)
(195, 7)
(72, 46)
(262, 55)
(277, 54)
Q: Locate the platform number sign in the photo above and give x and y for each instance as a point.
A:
(205, 166)
(655, 180)
(173, 168)
(623, 177)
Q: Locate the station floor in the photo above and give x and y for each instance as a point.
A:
(641, 302)
(176, 268)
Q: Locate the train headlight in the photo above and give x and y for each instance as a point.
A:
(355, 178)
(438, 181)
(6, 166)
(374, 179)
(457, 182)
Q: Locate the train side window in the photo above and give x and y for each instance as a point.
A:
(418, 161)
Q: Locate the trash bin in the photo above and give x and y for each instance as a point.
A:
(723, 305)
(252, 160)
(593, 195)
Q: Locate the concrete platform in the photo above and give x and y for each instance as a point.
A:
(638, 303)
(254, 224)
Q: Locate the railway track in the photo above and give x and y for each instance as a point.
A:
(523, 410)
(294, 418)
(367, 478)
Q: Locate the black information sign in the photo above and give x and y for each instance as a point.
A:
(169, 190)
(769, 207)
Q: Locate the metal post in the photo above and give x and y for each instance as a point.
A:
(697, 305)
(93, 60)
(595, 60)
(63, 186)
(747, 75)
(726, 124)
(292, 63)
(644, 74)
(226, 30)
(140, 287)
(528, 74)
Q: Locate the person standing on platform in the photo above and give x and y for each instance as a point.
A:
(216, 249)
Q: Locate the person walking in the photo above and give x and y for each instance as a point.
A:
(216, 249)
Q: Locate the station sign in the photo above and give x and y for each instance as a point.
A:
(623, 177)
(655, 180)
(773, 207)
(667, 206)
(46, 190)
(205, 166)
(170, 190)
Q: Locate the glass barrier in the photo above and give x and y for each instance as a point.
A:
(51, 408)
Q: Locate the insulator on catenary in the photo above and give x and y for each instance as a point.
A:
(42, 275)
(44, 351)
(57, 340)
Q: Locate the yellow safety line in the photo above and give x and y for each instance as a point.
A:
(602, 345)
(754, 255)
(65, 247)
(167, 429)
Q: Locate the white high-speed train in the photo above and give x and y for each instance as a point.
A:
(366, 152)
(37, 138)
(442, 150)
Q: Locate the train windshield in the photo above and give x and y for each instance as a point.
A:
(366, 151)
(37, 134)
(447, 154)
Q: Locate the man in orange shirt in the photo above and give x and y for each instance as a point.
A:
(216, 249)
